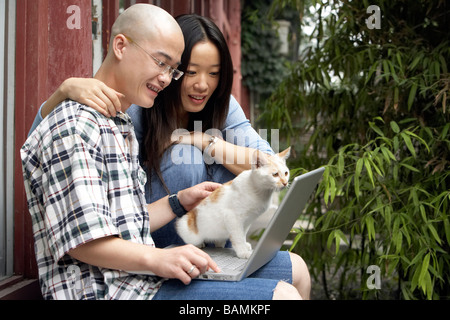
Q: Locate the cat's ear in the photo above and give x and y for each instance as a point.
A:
(258, 160)
(285, 154)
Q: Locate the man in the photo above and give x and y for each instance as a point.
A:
(84, 183)
(85, 186)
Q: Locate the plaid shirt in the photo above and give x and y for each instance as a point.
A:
(84, 182)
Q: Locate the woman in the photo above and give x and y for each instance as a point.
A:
(201, 100)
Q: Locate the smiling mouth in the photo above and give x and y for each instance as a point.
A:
(197, 99)
(153, 88)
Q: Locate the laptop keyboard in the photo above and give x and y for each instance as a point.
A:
(229, 262)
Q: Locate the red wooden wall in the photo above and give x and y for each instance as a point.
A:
(47, 52)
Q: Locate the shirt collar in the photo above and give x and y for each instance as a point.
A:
(123, 116)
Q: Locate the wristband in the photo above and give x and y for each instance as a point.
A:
(176, 206)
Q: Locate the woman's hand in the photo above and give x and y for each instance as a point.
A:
(93, 93)
(233, 157)
(88, 91)
(197, 139)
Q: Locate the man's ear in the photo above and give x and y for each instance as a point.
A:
(119, 44)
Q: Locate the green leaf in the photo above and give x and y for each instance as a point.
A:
(395, 170)
(436, 69)
(418, 257)
(359, 165)
(412, 134)
(412, 95)
(373, 68)
(424, 271)
(407, 166)
(415, 62)
(376, 129)
(399, 60)
(332, 189)
(394, 74)
(429, 286)
(415, 279)
(336, 235)
(296, 240)
(398, 240)
(396, 143)
(369, 171)
(395, 127)
(447, 229)
(414, 197)
(326, 195)
(388, 154)
(408, 143)
(445, 131)
(380, 162)
(387, 216)
(423, 213)
(370, 224)
(434, 232)
(405, 232)
(330, 239)
(341, 162)
(386, 69)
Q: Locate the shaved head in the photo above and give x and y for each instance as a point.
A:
(144, 22)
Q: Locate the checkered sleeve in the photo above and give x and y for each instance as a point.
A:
(77, 209)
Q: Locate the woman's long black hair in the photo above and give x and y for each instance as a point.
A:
(161, 120)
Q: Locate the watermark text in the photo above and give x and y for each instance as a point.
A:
(374, 280)
(74, 20)
(374, 20)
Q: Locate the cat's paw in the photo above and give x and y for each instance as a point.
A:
(249, 246)
(244, 254)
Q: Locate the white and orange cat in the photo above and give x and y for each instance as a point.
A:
(229, 211)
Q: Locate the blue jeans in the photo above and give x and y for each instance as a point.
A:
(258, 286)
(182, 167)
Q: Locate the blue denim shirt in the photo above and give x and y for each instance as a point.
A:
(237, 130)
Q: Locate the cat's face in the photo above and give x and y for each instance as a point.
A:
(272, 170)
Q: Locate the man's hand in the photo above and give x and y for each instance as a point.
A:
(161, 213)
(191, 197)
(184, 263)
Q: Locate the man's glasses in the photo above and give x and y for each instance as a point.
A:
(174, 73)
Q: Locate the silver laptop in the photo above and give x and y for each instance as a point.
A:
(235, 269)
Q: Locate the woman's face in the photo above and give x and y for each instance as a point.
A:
(201, 77)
